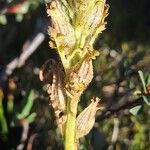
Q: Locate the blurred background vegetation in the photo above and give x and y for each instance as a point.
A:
(27, 120)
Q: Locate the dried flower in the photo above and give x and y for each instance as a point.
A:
(80, 78)
(90, 15)
(52, 74)
(86, 119)
(74, 27)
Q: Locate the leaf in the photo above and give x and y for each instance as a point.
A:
(27, 108)
(135, 110)
(142, 80)
(146, 100)
(31, 117)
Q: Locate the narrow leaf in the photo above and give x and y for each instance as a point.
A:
(142, 80)
(27, 108)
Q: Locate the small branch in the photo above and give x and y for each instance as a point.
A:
(115, 130)
(114, 134)
(30, 142)
(19, 62)
(28, 49)
(24, 135)
(113, 110)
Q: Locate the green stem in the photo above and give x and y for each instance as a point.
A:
(70, 127)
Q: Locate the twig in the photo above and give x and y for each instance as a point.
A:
(113, 110)
(28, 49)
(115, 130)
(114, 134)
(24, 135)
(30, 142)
(19, 62)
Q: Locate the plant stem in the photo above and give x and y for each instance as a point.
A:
(70, 127)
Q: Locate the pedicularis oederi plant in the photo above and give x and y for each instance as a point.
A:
(74, 27)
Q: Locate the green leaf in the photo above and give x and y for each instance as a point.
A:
(142, 80)
(31, 117)
(146, 100)
(135, 110)
(27, 108)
